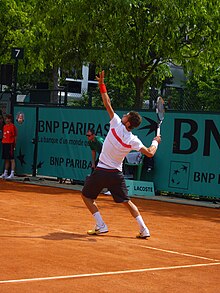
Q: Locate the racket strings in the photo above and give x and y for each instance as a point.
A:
(160, 108)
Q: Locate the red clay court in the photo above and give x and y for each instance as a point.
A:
(45, 248)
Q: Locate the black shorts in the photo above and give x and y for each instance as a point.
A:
(106, 178)
(8, 151)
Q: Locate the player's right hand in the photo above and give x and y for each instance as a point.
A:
(158, 138)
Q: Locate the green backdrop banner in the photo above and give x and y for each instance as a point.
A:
(187, 160)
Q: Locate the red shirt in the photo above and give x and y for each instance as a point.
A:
(9, 133)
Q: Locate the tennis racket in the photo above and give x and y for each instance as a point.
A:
(160, 111)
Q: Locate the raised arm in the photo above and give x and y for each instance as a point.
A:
(105, 97)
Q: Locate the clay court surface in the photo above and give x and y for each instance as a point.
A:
(45, 248)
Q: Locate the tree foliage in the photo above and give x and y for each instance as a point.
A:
(139, 36)
(13, 23)
(132, 39)
(203, 92)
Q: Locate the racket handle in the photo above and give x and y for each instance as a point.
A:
(158, 131)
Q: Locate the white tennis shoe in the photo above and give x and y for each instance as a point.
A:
(143, 234)
(3, 176)
(11, 176)
(98, 230)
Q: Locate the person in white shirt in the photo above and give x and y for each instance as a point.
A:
(108, 173)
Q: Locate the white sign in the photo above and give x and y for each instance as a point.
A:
(140, 188)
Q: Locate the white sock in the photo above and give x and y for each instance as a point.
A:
(141, 223)
(12, 172)
(6, 172)
(98, 219)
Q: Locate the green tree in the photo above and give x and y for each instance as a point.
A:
(139, 36)
(54, 41)
(135, 38)
(202, 92)
(13, 23)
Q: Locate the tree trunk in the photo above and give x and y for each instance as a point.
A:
(139, 86)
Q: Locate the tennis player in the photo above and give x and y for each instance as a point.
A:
(108, 173)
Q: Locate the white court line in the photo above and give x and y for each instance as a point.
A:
(36, 225)
(179, 253)
(170, 251)
(143, 246)
(107, 273)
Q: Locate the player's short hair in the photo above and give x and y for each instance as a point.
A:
(135, 119)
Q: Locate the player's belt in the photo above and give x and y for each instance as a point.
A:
(107, 170)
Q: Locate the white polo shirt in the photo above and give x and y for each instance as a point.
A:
(118, 143)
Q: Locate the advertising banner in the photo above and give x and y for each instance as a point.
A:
(140, 188)
(187, 160)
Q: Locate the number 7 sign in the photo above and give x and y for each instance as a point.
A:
(17, 53)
